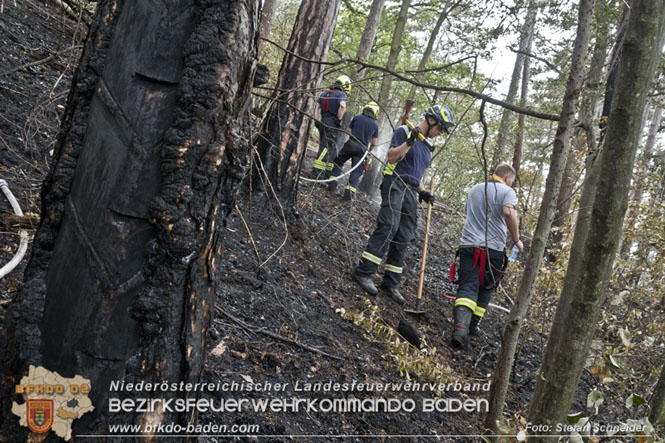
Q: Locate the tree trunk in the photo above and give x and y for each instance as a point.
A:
(504, 127)
(657, 402)
(370, 181)
(586, 136)
(521, 119)
(285, 130)
(430, 43)
(367, 39)
(149, 155)
(640, 179)
(566, 352)
(559, 153)
(267, 16)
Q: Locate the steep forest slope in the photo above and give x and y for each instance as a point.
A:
(288, 313)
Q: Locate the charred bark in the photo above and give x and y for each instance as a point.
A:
(149, 156)
(285, 132)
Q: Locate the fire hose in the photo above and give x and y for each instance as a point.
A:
(23, 244)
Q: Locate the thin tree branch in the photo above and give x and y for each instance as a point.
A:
(273, 335)
(518, 109)
(439, 68)
(535, 57)
(42, 61)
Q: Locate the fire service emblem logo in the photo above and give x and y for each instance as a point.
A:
(40, 415)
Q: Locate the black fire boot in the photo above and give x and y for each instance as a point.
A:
(394, 294)
(473, 326)
(347, 195)
(462, 317)
(365, 282)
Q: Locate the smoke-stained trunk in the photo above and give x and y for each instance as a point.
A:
(285, 130)
(149, 156)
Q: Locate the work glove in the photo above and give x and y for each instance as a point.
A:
(424, 196)
(413, 136)
(367, 164)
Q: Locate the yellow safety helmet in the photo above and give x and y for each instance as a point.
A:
(345, 82)
(371, 109)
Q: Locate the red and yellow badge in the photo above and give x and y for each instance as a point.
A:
(40, 415)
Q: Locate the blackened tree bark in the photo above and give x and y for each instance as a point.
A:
(285, 130)
(510, 334)
(127, 258)
(566, 352)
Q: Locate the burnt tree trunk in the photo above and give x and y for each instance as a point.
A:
(285, 130)
(127, 258)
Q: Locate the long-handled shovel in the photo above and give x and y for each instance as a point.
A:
(423, 261)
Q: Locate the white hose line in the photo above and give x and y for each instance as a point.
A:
(23, 245)
(343, 175)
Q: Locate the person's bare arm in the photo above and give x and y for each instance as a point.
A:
(374, 141)
(513, 224)
(396, 153)
(341, 110)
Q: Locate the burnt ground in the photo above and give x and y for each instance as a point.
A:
(296, 291)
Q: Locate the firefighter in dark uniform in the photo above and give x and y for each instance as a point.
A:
(364, 133)
(408, 157)
(332, 105)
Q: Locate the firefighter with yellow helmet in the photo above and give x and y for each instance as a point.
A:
(364, 132)
(332, 106)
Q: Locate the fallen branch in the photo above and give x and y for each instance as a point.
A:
(274, 335)
(12, 221)
(42, 61)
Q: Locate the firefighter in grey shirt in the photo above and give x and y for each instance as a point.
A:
(482, 257)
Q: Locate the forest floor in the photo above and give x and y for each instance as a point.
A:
(294, 290)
